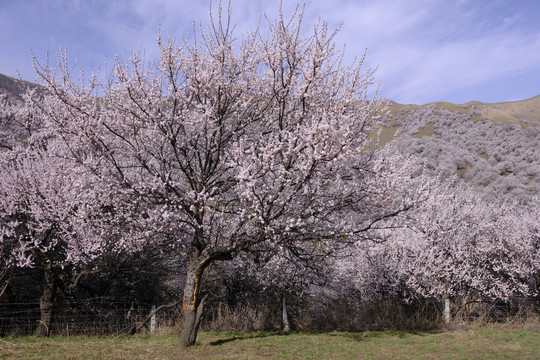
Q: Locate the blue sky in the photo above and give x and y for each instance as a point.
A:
(426, 50)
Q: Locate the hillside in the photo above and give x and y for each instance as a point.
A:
(12, 128)
(494, 147)
(512, 112)
(509, 112)
(12, 87)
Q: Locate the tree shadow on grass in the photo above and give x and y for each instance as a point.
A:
(369, 334)
(355, 335)
(247, 336)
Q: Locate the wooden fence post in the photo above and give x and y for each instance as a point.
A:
(100, 317)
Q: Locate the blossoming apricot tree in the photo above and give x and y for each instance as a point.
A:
(233, 145)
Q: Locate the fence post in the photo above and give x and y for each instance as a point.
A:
(153, 321)
(446, 308)
(100, 317)
(469, 309)
(286, 327)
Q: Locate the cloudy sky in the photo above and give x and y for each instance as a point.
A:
(426, 50)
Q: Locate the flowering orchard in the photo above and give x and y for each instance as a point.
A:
(251, 149)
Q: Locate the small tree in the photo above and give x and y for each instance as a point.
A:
(232, 145)
(46, 217)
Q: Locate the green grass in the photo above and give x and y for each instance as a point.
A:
(483, 343)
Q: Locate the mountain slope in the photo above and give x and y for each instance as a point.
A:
(13, 129)
(493, 147)
(12, 87)
(514, 111)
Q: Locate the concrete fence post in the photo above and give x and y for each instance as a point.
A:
(153, 321)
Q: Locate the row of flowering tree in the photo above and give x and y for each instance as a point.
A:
(453, 244)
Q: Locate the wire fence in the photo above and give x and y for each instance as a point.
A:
(470, 309)
(110, 317)
(92, 317)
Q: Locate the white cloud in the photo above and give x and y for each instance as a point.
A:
(431, 50)
(441, 71)
(426, 49)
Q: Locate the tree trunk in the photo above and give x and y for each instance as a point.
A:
(46, 301)
(192, 305)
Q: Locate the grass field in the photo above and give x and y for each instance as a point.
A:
(490, 342)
